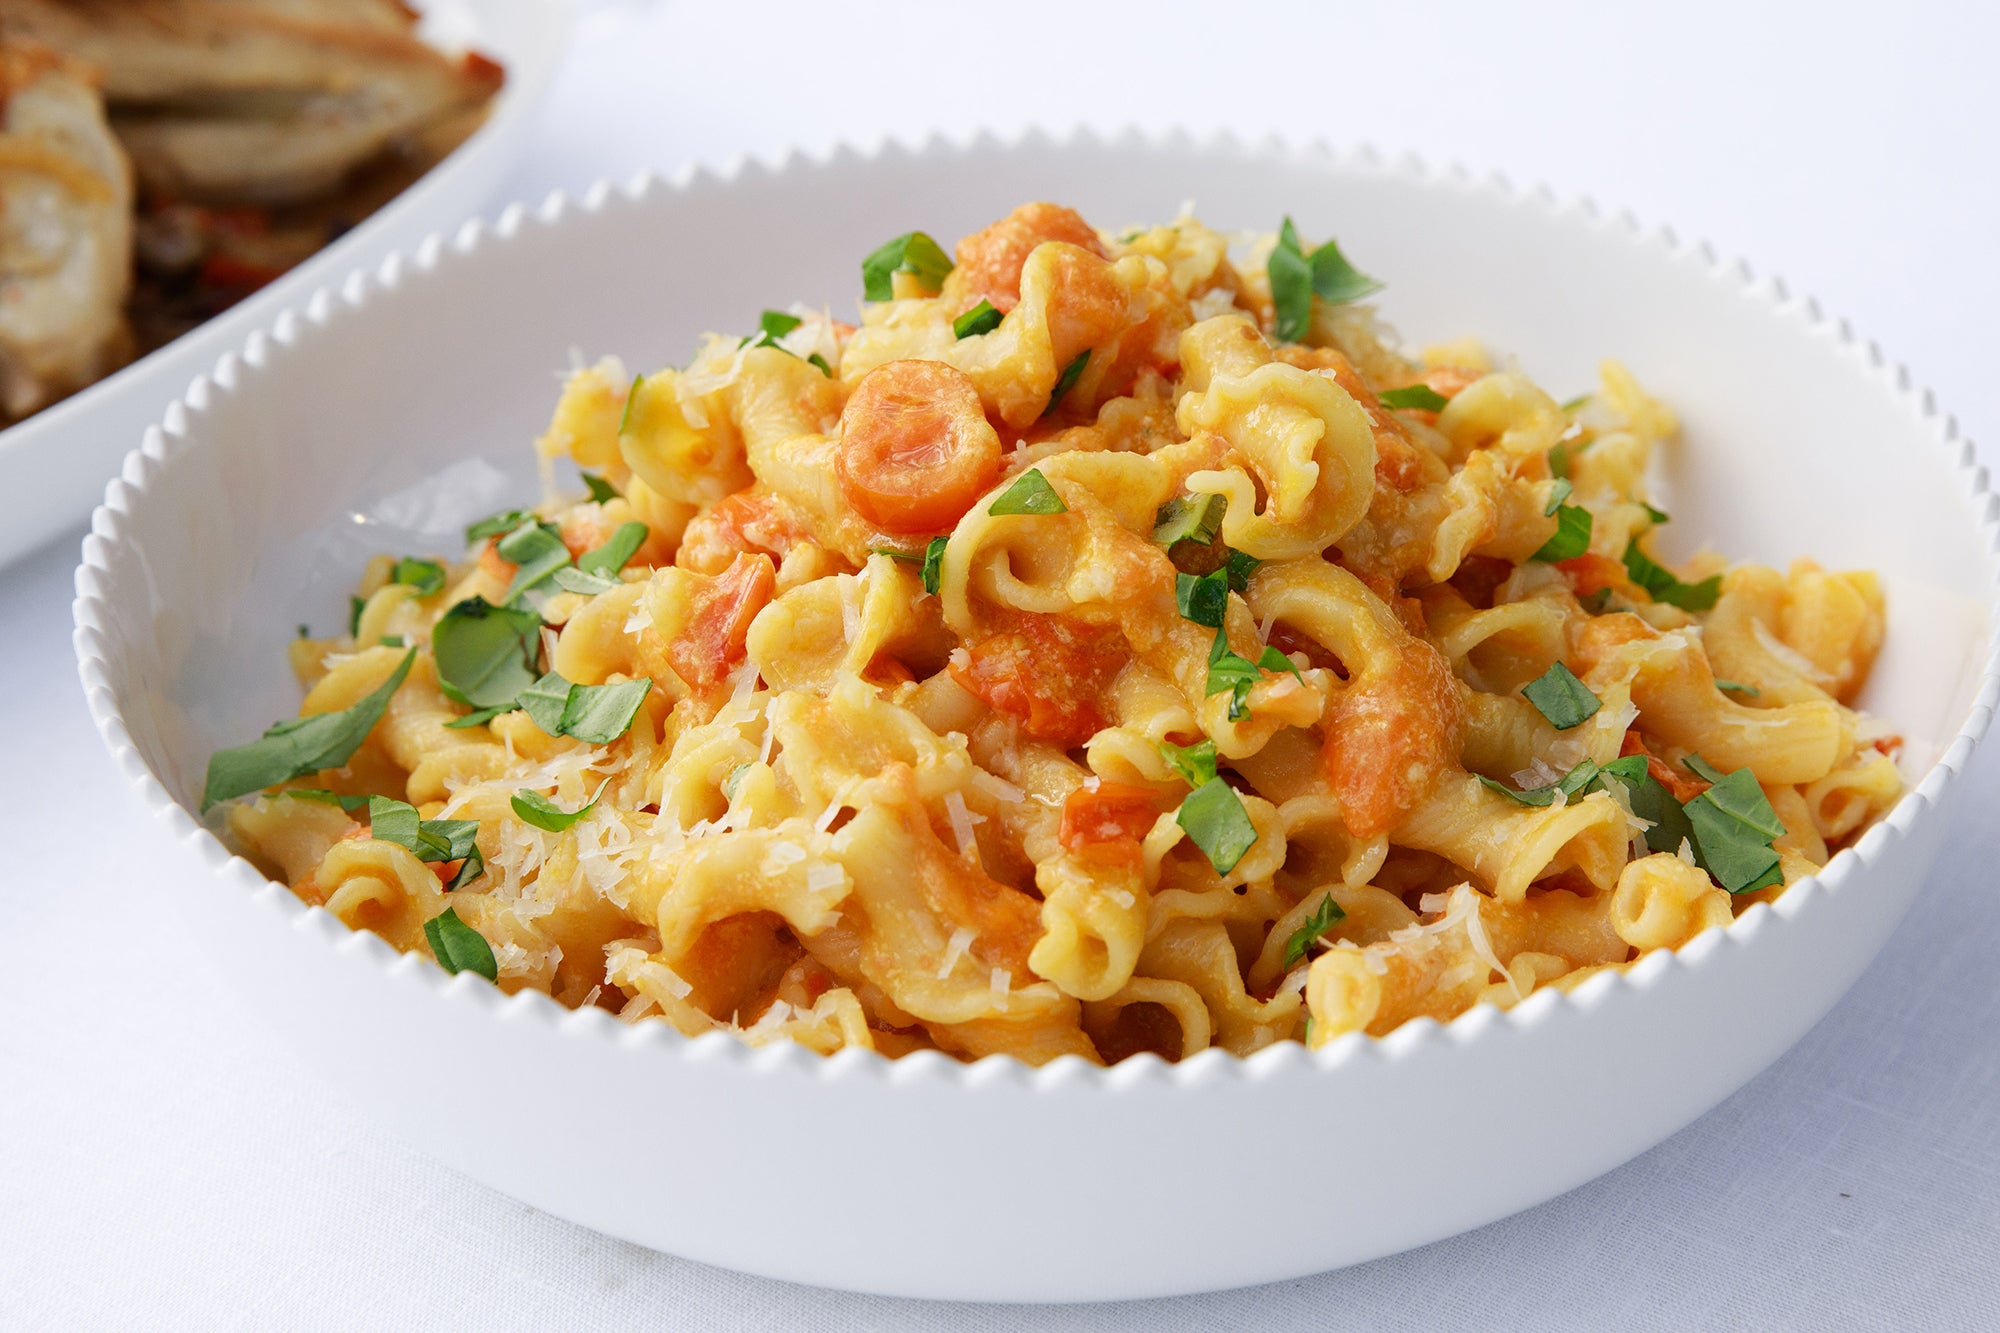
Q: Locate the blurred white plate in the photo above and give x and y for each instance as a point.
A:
(408, 401)
(53, 466)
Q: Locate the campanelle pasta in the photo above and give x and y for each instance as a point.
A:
(1109, 645)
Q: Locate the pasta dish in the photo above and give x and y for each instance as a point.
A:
(1113, 643)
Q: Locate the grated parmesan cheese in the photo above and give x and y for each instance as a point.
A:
(825, 877)
(780, 857)
(962, 822)
(998, 980)
(640, 620)
(961, 940)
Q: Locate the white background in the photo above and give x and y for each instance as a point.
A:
(164, 1161)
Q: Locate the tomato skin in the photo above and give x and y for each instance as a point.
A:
(1591, 572)
(1108, 824)
(718, 624)
(1681, 786)
(1389, 735)
(915, 447)
(990, 261)
(1048, 673)
(748, 521)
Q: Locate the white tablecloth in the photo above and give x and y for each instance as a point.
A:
(165, 1162)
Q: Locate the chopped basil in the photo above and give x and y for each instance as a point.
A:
(914, 253)
(815, 359)
(596, 714)
(1067, 380)
(1273, 661)
(631, 401)
(391, 641)
(1702, 769)
(1578, 779)
(1030, 494)
(1737, 687)
(1216, 822)
(1651, 802)
(575, 580)
(426, 576)
(605, 561)
(1203, 600)
(458, 947)
(1297, 277)
(1572, 536)
(934, 564)
(1561, 698)
(1595, 602)
(351, 804)
(485, 653)
(536, 550)
(305, 630)
(1661, 585)
(1321, 921)
(1734, 827)
(545, 700)
(299, 745)
(499, 524)
(1416, 397)
(1558, 457)
(355, 606)
(982, 318)
(537, 809)
(1193, 763)
(601, 490)
(730, 785)
(1657, 515)
(1189, 518)
(1559, 491)
(477, 719)
(1233, 673)
(775, 324)
(905, 557)
(1576, 402)
(1239, 568)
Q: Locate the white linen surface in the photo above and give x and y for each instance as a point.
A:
(166, 1163)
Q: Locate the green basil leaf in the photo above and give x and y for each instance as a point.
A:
(1274, 661)
(545, 701)
(426, 576)
(1734, 827)
(1702, 769)
(1416, 397)
(730, 784)
(1578, 780)
(355, 606)
(575, 580)
(298, 746)
(605, 561)
(905, 557)
(1232, 673)
(1737, 687)
(1291, 275)
(485, 653)
(1572, 537)
(981, 319)
(1651, 802)
(1067, 380)
(1030, 494)
(498, 525)
(537, 551)
(1658, 516)
(600, 714)
(537, 809)
(631, 400)
(1558, 457)
(1336, 281)
(1559, 491)
(1189, 518)
(1195, 764)
(1216, 822)
(1576, 402)
(815, 359)
(934, 564)
(393, 821)
(1240, 567)
(391, 641)
(914, 253)
(1323, 919)
(601, 491)
(477, 719)
(458, 947)
(351, 804)
(1203, 600)
(1661, 585)
(1561, 698)
(775, 324)
(470, 869)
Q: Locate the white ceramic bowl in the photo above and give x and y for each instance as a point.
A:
(53, 465)
(390, 412)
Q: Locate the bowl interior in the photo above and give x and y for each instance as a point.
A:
(394, 415)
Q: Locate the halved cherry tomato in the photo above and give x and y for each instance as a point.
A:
(750, 520)
(495, 565)
(1048, 672)
(915, 447)
(719, 624)
(1109, 823)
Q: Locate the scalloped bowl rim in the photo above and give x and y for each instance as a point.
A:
(1411, 1041)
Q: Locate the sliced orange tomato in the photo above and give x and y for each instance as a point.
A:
(915, 447)
(718, 625)
(1107, 824)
